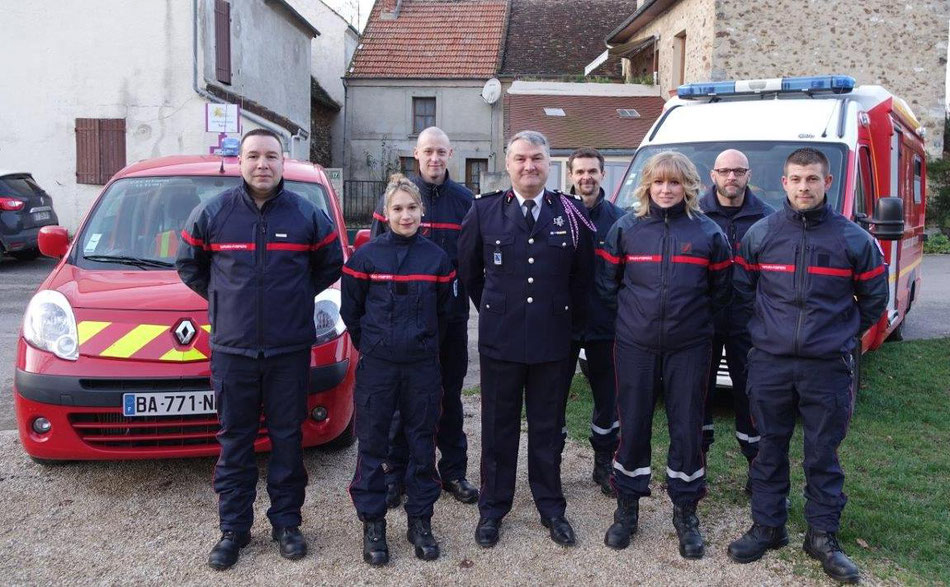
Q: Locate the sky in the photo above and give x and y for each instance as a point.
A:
(354, 11)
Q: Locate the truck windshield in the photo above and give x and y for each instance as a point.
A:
(137, 221)
(766, 160)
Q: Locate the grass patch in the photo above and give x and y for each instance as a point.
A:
(896, 460)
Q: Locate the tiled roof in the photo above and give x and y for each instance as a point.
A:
(559, 37)
(588, 121)
(432, 39)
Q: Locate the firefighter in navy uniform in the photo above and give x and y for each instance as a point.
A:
(446, 203)
(815, 281)
(667, 269)
(397, 294)
(525, 256)
(733, 206)
(586, 170)
(260, 296)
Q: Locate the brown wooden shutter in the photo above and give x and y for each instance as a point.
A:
(111, 147)
(87, 150)
(222, 41)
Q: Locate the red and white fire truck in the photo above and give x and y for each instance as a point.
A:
(112, 360)
(871, 138)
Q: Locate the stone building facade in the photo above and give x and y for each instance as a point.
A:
(901, 46)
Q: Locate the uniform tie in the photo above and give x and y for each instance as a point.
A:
(529, 215)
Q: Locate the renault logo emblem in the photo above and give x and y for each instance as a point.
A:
(185, 332)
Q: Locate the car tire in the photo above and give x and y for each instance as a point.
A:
(346, 438)
(26, 254)
(897, 334)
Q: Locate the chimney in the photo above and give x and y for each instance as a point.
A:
(390, 10)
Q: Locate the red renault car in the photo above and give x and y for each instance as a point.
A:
(112, 361)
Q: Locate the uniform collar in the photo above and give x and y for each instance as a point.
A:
(673, 211)
(595, 209)
(246, 194)
(810, 217)
(431, 189)
(398, 239)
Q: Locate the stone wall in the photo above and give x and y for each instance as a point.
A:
(901, 46)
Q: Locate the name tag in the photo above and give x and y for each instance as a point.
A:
(497, 258)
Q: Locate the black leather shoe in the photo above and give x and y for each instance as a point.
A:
(486, 532)
(560, 530)
(758, 540)
(394, 492)
(461, 490)
(375, 548)
(824, 547)
(226, 552)
(603, 464)
(292, 544)
(687, 529)
(626, 522)
(420, 535)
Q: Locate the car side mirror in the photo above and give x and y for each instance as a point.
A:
(53, 241)
(362, 237)
(888, 219)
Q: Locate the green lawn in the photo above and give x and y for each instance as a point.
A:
(896, 460)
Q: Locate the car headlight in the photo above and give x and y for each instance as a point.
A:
(49, 324)
(326, 315)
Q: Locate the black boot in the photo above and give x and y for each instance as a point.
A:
(420, 534)
(394, 493)
(603, 463)
(626, 520)
(824, 547)
(687, 528)
(226, 552)
(756, 542)
(375, 549)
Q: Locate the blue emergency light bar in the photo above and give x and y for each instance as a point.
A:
(835, 84)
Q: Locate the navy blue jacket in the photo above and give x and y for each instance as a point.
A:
(731, 320)
(814, 280)
(259, 269)
(530, 287)
(668, 274)
(397, 293)
(601, 318)
(445, 207)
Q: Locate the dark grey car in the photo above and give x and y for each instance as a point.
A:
(24, 208)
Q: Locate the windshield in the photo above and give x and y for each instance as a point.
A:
(766, 160)
(138, 220)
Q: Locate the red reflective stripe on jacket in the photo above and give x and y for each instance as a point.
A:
(195, 242)
(329, 239)
(400, 278)
(608, 257)
(720, 266)
(869, 274)
(690, 260)
(644, 258)
(832, 271)
(232, 246)
(745, 264)
(776, 268)
(441, 225)
(288, 247)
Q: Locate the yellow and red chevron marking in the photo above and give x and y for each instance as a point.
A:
(140, 342)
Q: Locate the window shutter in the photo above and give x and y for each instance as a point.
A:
(87, 150)
(222, 41)
(111, 147)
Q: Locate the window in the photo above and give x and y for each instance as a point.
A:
(222, 41)
(918, 173)
(408, 166)
(474, 168)
(679, 59)
(862, 184)
(554, 112)
(100, 149)
(423, 114)
(627, 113)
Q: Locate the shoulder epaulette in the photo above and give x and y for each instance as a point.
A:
(489, 194)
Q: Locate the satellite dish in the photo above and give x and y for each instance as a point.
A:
(492, 91)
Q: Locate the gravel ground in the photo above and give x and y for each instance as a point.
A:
(153, 523)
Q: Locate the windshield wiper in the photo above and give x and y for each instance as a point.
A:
(140, 262)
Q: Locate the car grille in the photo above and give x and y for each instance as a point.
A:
(113, 430)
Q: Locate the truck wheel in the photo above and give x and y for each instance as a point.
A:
(898, 333)
(346, 438)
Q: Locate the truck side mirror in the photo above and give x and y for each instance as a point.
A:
(362, 237)
(53, 241)
(888, 219)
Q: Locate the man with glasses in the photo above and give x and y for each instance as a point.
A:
(733, 206)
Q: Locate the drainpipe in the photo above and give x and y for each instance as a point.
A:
(288, 140)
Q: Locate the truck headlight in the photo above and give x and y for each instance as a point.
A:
(326, 316)
(49, 324)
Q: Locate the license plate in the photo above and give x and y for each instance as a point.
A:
(38, 216)
(168, 404)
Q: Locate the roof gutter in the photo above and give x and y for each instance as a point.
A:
(289, 140)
